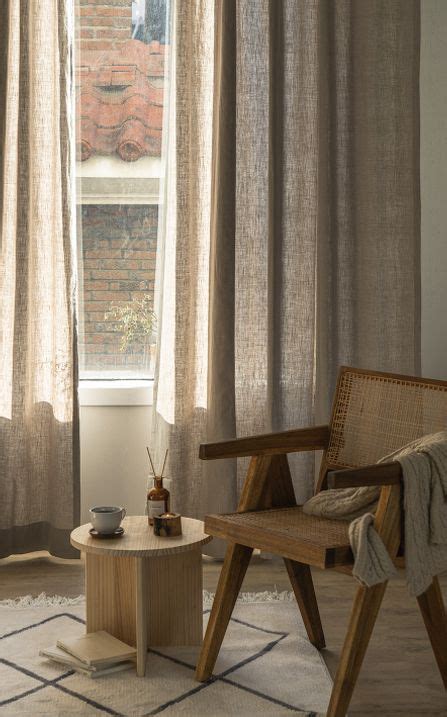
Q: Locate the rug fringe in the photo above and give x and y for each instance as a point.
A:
(266, 596)
(44, 600)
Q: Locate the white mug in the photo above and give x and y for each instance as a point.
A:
(106, 518)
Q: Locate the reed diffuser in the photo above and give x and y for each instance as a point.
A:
(157, 497)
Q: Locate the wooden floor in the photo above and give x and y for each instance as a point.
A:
(399, 676)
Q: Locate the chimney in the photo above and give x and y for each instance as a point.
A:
(103, 24)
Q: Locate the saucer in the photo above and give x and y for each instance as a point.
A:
(116, 533)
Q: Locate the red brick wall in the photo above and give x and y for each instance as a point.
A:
(103, 24)
(118, 247)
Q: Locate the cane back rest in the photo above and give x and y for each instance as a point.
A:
(376, 413)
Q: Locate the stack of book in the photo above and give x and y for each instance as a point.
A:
(94, 654)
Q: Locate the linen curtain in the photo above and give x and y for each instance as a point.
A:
(291, 229)
(39, 449)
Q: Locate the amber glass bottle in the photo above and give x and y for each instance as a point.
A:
(157, 500)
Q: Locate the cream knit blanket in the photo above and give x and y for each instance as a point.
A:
(424, 468)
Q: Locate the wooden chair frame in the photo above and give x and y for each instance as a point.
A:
(269, 485)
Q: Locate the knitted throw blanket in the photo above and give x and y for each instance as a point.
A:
(424, 468)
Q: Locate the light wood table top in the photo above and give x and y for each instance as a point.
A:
(139, 540)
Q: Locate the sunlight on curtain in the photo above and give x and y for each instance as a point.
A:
(184, 269)
(36, 290)
(39, 431)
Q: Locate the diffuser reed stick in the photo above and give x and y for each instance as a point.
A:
(150, 461)
(164, 463)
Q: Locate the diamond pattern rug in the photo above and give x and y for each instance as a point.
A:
(266, 667)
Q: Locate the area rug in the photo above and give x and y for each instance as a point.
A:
(266, 667)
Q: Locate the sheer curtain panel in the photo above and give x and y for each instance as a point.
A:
(39, 437)
(291, 230)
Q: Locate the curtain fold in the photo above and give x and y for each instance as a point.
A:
(39, 434)
(292, 231)
(369, 236)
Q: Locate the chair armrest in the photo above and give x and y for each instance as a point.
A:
(300, 439)
(377, 474)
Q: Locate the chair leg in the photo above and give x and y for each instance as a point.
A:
(233, 571)
(432, 608)
(303, 587)
(363, 617)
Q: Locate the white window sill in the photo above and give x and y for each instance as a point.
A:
(135, 392)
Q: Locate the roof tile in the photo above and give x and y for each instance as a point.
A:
(120, 101)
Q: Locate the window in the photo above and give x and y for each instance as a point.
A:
(121, 68)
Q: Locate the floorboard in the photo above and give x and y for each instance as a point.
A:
(399, 678)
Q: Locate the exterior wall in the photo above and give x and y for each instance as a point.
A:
(118, 249)
(103, 24)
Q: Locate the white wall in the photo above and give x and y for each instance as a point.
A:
(113, 462)
(433, 80)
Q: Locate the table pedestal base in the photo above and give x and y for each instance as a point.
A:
(149, 601)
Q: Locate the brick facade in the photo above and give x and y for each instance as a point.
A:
(118, 247)
(103, 24)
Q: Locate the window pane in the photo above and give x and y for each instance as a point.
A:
(121, 62)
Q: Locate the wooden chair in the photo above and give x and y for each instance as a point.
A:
(373, 414)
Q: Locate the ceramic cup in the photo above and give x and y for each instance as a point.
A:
(106, 518)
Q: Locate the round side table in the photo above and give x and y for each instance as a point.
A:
(143, 589)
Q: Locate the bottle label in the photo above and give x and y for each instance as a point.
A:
(155, 507)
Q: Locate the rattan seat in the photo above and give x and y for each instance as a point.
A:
(288, 532)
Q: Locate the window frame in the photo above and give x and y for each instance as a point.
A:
(103, 179)
(115, 392)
